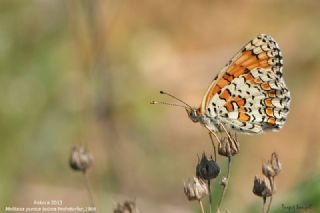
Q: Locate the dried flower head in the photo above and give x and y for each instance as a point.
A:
(261, 187)
(272, 167)
(207, 168)
(276, 164)
(126, 207)
(80, 159)
(267, 169)
(196, 189)
(228, 147)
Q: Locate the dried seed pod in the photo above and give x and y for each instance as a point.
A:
(276, 164)
(207, 168)
(228, 147)
(267, 169)
(80, 159)
(261, 187)
(126, 207)
(196, 189)
(272, 167)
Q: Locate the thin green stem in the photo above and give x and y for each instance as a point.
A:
(264, 203)
(225, 186)
(269, 204)
(201, 205)
(210, 196)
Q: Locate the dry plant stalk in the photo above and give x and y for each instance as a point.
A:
(81, 160)
(265, 186)
(207, 169)
(227, 147)
(196, 190)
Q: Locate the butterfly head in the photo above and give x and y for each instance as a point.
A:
(193, 114)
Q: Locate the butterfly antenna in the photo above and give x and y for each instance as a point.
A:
(174, 97)
(165, 103)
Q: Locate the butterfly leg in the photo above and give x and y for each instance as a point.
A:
(214, 134)
(214, 146)
(232, 140)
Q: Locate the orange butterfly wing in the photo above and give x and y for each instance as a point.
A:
(262, 55)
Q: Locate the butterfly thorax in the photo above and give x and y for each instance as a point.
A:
(196, 115)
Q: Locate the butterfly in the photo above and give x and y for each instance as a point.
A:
(248, 95)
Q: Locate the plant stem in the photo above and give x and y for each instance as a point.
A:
(271, 180)
(264, 203)
(225, 186)
(88, 187)
(210, 196)
(269, 204)
(201, 205)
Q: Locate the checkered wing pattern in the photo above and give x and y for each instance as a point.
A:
(249, 94)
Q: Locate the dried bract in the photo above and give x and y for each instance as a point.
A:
(228, 147)
(276, 164)
(267, 169)
(272, 167)
(195, 189)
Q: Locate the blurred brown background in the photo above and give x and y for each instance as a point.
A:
(83, 72)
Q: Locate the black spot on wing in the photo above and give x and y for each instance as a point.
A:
(254, 118)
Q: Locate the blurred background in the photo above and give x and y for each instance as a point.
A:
(84, 72)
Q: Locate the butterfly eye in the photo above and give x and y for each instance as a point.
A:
(194, 115)
(191, 114)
